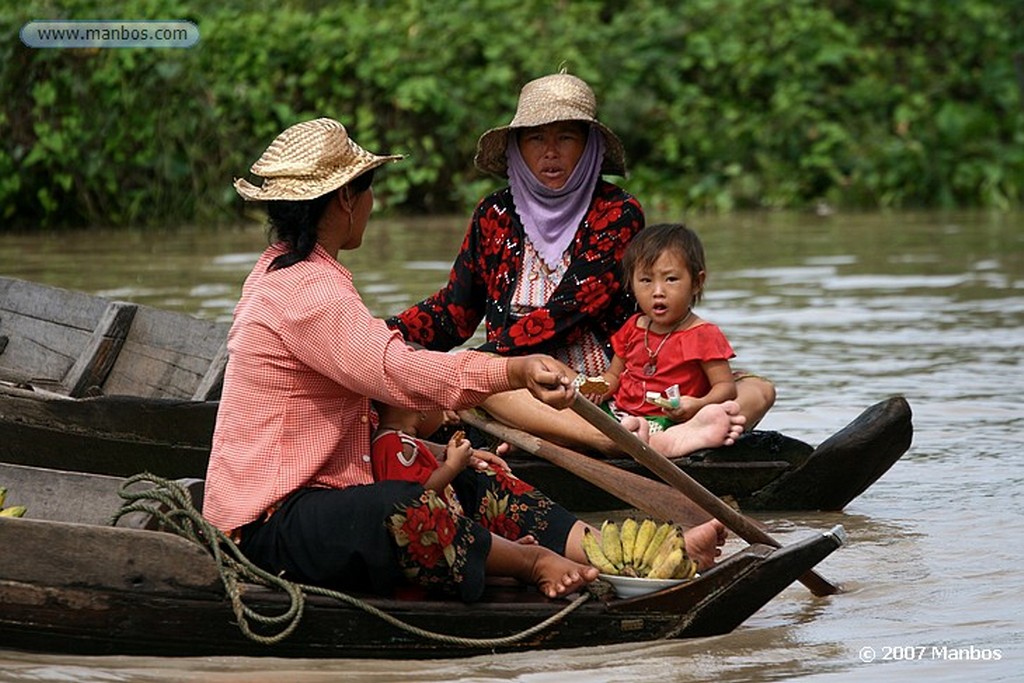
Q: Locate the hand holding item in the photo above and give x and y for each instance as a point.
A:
(670, 401)
(596, 389)
(459, 452)
(546, 378)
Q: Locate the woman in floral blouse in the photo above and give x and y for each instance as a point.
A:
(540, 262)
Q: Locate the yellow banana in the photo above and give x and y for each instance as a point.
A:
(14, 511)
(653, 547)
(644, 534)
(627, 534)
(666, 567)
(672, 541)
(611, 544)
(640, 549)
(687, 569)
(596, 556)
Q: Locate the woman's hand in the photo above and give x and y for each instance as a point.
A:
(482, 459)
(546, 378)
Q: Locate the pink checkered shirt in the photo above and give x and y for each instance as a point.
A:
(305, 359)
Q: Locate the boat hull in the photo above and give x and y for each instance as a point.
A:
(86, 588)
(763, 470)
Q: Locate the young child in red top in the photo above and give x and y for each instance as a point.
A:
(669, 362)
(398, 453)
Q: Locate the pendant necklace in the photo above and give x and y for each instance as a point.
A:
(651, 366)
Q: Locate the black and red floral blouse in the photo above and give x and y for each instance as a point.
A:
(590, 297)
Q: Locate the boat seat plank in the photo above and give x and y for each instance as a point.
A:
(33, 300)
(72, 513)
(165, 355)
(62, 496)
(45, 329)
(97, 358)
(78, 497)
(212, 382)
(81, 556)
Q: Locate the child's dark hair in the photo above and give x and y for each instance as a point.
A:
(295, 222)
(654, 240)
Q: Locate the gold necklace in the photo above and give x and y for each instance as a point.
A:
(651, 366)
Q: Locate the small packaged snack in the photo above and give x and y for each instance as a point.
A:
(668, 401)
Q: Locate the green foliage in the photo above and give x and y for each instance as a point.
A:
(722, 104)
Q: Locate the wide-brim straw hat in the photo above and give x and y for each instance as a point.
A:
(309, 160)
(558, 97)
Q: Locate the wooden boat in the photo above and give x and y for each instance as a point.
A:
(107, 387)
(72, 584)
(763, 470)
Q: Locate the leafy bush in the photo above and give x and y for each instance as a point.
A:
(722, 104)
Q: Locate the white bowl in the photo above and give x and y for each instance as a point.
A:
(630, 586)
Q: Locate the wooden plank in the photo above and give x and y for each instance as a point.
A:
(64, 554)
(45, 328)
(66, 496)
(110, 435)
(166, 355)
(90, 371)
(41, 352)
(56, 495)
(64, 306)
(211, 383)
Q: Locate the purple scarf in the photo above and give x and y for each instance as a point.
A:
(551, 217)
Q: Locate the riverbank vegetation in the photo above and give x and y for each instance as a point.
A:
(721, 104)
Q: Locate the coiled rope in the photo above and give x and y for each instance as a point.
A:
(171, 505)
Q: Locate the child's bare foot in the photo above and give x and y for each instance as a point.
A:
(640, 427)
(716, 424)
(555, 575)
(704, 542)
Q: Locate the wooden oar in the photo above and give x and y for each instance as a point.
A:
(667, 470)
(646, 495)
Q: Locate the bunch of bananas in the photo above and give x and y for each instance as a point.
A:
(641, 549)
(14, 510)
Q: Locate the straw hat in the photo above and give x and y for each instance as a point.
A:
(558, 97)
(308, 160)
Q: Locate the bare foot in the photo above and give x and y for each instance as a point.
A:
(704, 543)
(716, 424)
(640, 427)
(555, 575)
